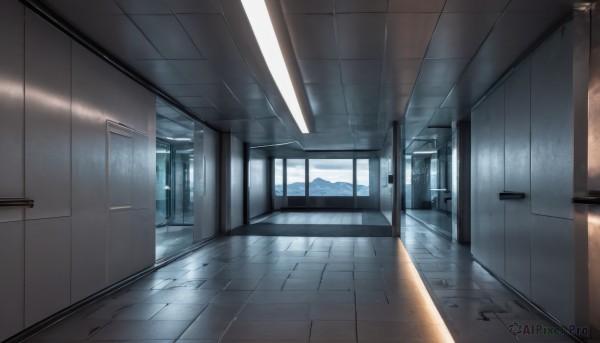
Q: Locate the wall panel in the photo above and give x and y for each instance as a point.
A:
(47, 119)
(12, 182)
(517, 147)
(259, 183)
(120, 243)
(47, 267)
(552, 126)
(12, 269)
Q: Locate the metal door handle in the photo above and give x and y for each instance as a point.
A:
(593, 198)
(510, 195)
(16, 202)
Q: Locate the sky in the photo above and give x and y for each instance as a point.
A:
(333, 170)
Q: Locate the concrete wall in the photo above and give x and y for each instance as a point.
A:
(93, 221)
(259, 183)
(522, 141)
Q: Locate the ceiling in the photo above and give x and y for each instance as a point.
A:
(362, 63)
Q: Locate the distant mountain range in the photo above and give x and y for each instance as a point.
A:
(320, 187)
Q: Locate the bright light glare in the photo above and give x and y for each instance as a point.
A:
(425, 152)
(258, 15)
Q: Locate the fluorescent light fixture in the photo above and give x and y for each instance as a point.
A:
(177, 139)
(425, 152)
(261, 24)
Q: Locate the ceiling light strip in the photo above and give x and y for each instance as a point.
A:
(261, 24)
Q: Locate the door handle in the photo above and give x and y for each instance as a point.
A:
(16, 202)
(510, 195)
(593, 198)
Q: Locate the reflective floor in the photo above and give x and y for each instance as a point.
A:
(327, 218)
(438, 221)
(317, 289)
(171, 239)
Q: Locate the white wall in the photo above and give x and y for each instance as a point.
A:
(82, 235)
(522, 141)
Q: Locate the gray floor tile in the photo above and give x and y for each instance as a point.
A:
(333, 330)
(268, 330)
(145, 329)
(274, 312)
(179, 312)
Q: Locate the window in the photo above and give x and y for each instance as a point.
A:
(362, 178)
(296, 177)
(330, 177)
(279, 177)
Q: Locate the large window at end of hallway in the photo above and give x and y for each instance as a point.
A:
(362, 177)
(296, 181)
(330, 177)
(278, 177)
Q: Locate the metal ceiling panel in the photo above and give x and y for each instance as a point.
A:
(332, 124)
(370, 27)
(442, 70)
(307, 6)
(224, 103)
(211, 35)
(246, 91)
(239, 125)
(144, 7)
(401, 71)
(426, 101)
(408, 34)
(195, 6)
(193, 101)
(320, 71)
(433, 6)
(432, 89)
(209, 114)
(326, 100)
(313, 36)
(459, 35)
(160, 72)
(214, 90)
(361, 71)
(258, 108)
(350, 6)
(233, 71)
(475, 6)
(115, 33)
(327, 141)
(556, 6)
(182, 90)
(197, 71)
(73, 7)
(167, 35)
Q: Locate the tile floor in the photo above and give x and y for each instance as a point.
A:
(308, 289)
(437, 221)
(327, 218)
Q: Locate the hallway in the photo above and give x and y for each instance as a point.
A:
(301, 289)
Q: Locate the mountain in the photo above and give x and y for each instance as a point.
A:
(320, 187)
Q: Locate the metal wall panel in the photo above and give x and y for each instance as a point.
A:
(259, 183)
(144, 239)
(496, 181)
(386, 168)
(12, 267)
(237, 182)
(140, 189)
(88, 176)
(552, 266)
(47, 119)
(120, 177)
(517, 149)
(480, 177)
(210, 214)
(12, 182)
(552, 126)
(47, 267)
(119, 245)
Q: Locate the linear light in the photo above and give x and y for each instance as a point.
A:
(261, 24)
(425, 152)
